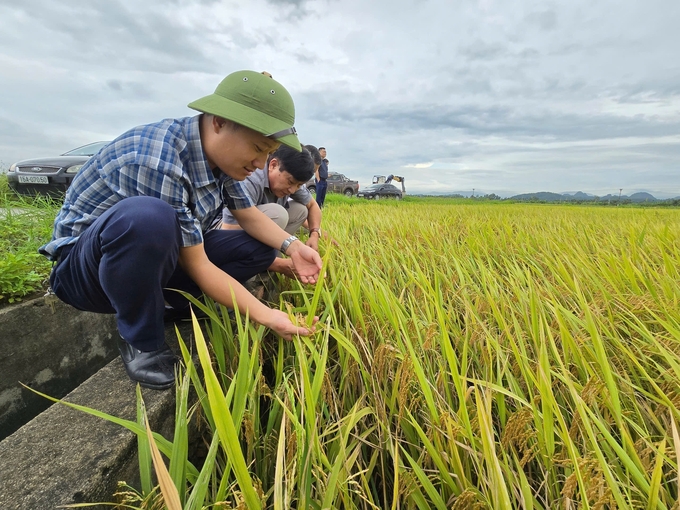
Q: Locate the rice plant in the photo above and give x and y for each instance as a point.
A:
(468, 356)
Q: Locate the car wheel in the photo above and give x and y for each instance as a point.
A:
(397, 197)
(312, 189)
(349, 192)
(377, 197)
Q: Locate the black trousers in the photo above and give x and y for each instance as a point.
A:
(127, 260)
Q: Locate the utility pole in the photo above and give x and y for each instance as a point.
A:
(473, 192)
(620, 190)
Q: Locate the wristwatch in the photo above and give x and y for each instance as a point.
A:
(287, 243)
(317, 230)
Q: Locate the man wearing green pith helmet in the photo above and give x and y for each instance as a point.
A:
(140, 216)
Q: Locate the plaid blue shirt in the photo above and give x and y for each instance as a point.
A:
(163, 160)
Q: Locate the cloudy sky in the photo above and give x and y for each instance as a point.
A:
(455, 95)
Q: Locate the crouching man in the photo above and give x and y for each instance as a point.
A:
(137, 221)
(278, 191)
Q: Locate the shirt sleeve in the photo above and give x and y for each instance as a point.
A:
(302, 195)
(235, 195)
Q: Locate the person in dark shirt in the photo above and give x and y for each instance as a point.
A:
(321, 176)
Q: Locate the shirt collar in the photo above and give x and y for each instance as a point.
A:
(198, 167)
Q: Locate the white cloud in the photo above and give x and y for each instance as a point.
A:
(420, 165)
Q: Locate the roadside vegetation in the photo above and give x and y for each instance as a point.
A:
(25, 225)
(469, 356)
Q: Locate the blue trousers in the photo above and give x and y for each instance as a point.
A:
(127, 260)
(321, 187)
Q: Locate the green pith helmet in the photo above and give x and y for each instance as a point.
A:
(254, 100)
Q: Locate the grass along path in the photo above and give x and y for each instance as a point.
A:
(25, 224)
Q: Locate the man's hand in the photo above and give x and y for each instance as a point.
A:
(313, 241)
(284, 267)
(225, 290)
(279, 322)
(306, 261)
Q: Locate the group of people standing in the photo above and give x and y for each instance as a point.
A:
(199, 204)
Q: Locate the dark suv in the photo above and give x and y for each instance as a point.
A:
(337, 183)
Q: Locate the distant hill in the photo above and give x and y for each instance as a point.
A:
(546, 196)
(643, 197)
(579, 195)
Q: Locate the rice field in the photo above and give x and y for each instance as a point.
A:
(469, 356)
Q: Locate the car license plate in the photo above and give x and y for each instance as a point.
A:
(360, 194)
(33, 179)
